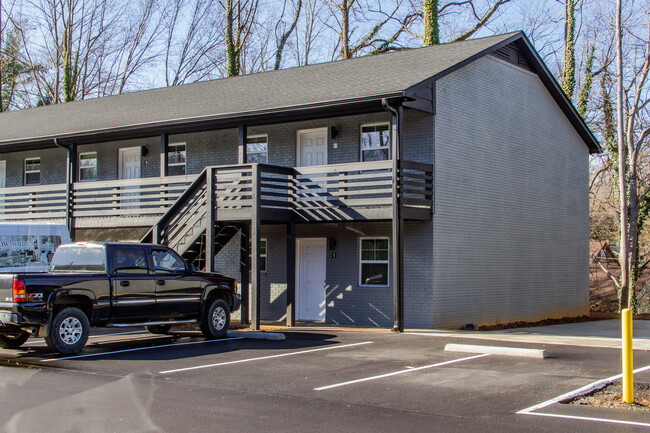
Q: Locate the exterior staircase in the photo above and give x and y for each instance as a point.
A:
(184, 226)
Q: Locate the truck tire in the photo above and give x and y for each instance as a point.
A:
(69, 331)
(13, 341)
(216, 319)
(158, 329)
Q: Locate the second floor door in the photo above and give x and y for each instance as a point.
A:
(312, 147)
(129, 168)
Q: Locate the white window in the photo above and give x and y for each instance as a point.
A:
(373, 263)
(257, 149)
(176, 159)
(87, 166)
(262, 259)
(32, 171)
(375, 142)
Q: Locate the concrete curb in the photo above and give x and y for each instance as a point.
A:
(257, 335)
(496, 350)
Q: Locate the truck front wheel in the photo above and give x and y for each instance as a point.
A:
(13, 341)
(69, 331)
(216, 319)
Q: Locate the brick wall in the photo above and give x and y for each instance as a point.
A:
(511, 202)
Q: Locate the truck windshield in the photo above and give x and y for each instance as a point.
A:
(87, 257)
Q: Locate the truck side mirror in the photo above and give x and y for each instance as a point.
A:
(192, 269)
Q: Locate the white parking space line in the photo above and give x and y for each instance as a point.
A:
(395, 373)
(586, 418)
(142, 348)
(281, 355)
(581, 391)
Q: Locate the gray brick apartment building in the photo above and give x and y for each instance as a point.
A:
(424, 188)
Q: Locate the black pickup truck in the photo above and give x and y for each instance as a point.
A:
(112, 284)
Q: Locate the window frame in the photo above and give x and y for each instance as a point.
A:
(266, 152)
(362, 261)
(177, 164)
(25, 172)
(80, 168)
(388, 146)
(265, 254)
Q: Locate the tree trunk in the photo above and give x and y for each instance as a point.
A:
(345, 29)
(569, 72)
(431, 29)
(232, 64)
(623, 256)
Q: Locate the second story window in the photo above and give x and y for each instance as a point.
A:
(375, 142)
(257, 149)
(176, 159)
(33, 171)
(87, 166)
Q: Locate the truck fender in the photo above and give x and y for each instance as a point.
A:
(210, 290)
(81, 294)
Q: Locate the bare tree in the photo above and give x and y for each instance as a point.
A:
(194, 35)
(282, 40)
(239, 22)
(432, 12)
(370, 21)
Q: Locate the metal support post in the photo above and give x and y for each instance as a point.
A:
(245, 266)
(628, 364)
(291, 274)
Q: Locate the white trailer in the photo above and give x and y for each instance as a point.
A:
(30, 247)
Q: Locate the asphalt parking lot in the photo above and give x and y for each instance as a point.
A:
(314, 380)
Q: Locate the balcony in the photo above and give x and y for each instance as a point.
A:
(338, 192)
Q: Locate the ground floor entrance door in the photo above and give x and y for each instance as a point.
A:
(310, 269)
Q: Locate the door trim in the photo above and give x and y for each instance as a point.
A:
(297, 276)
(3, 173)
(120, 160)
(303, 131)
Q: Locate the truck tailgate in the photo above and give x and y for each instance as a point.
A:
(6, 287)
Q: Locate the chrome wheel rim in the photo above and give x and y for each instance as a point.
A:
(70, 330)
(219, 318)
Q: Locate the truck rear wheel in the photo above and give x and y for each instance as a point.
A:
(13, 341)
(69, 331)
(216, 319)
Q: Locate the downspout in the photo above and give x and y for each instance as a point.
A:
(397, 223)
(69, 175)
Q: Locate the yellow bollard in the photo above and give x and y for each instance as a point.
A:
(628, 376)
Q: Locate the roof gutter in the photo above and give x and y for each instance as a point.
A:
(62, 146)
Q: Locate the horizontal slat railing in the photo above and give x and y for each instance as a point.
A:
(128, 197)
(416, 186)
(322, 191)
(33, 203)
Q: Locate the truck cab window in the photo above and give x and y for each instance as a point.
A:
(167, 261)
(130, 260)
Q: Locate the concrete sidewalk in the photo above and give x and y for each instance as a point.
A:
(601, 333)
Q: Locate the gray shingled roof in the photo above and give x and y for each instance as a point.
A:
(327, 83)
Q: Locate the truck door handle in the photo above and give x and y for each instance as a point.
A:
(160, 282)
(124, 283)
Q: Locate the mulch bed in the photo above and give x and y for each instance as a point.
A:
(593, 315)
(610, 397)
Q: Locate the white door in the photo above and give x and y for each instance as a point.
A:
(129, 163)
(310, 293)
(129, 168)
(312, 147)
